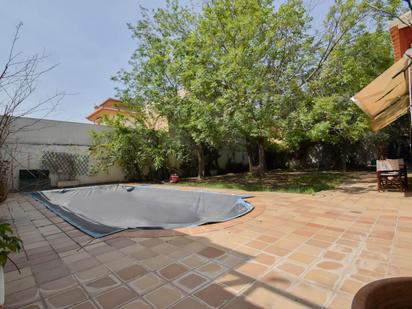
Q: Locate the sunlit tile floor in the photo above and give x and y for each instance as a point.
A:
(303, 251)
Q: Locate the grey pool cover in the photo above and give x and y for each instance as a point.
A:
(103, 210)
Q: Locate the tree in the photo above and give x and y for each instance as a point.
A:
(257, 53)
(18, 80)
(252, 71)
(158, 78)
(327, 114)
(141, 151)
(364, 51)
(198, 123)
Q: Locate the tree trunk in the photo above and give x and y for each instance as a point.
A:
(200, 161)
(4, 176)
(262, 163)
(249, 150)
(343, 156)
(4, 190)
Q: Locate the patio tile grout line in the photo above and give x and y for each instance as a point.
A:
(309, 266)
(356, 254)
(71, 274)
(43, 298)
(282, 259)
(393, 244)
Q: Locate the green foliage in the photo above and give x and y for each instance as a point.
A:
(8, 243)
(161, 69)
(354, 64)
(335, 120)
(327, 113)
(247, 70)
(255, 52)
(140, 151)
(153, 76)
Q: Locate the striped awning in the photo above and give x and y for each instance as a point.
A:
(387, 97)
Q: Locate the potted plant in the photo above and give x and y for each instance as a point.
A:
(9, 243)
(174, 178)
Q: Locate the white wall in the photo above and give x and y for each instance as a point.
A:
(31, 137)
(52, 132)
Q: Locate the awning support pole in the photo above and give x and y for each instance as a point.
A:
(410, 103)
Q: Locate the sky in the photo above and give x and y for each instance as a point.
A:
(87, 40)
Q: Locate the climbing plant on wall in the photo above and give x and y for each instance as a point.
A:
(65, 163)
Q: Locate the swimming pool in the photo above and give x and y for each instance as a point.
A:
(103, 210)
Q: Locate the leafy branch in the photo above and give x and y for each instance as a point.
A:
(9, 243)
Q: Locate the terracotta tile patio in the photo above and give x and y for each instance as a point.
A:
(295, 251)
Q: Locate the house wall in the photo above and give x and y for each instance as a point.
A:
(31, 137)
(401, 41)
(401, 34)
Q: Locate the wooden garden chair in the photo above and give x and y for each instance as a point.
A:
(391, 174)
